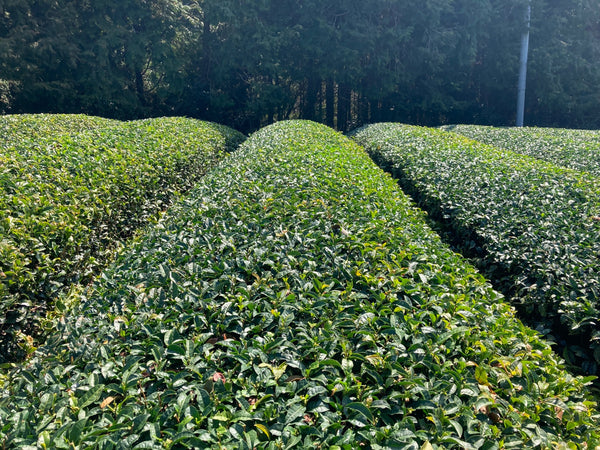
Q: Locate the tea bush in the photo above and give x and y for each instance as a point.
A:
(534, 226)
(295, 299)
(22, 129)
(576, 149)
(68, 199)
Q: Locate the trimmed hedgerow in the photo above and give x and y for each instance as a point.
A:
(576, 149)
(534, 227)
(67, 200)
(23, 129)
(296, 298)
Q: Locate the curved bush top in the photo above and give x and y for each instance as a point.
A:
(576, 149)
(294, 299)
(538, 224)
(17, 129)
(67, 200)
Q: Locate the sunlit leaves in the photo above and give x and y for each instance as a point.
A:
(529, 223)
(295, 299)
(576, 149)
(73, 188)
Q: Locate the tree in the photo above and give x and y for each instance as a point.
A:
(565, 73)
(342, 62)
(96, 57)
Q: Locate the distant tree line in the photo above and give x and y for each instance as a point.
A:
(340, 62)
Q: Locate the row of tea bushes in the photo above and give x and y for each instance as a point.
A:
(576, 149)
(535, 226)
(31, 129)
(68, 199)
(295, 299)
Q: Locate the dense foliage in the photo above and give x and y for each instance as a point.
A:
(296, 298)
(342, 62)
(577, 149)
(67, 199)
(27, 129)
(534, 226)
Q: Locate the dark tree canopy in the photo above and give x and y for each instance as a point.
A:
(341, 62)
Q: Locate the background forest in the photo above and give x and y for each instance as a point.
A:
(340, 62)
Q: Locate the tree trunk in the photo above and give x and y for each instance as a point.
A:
(363, 111)
(344, 103)
(139, 87)
(311, 95)
(330, 102)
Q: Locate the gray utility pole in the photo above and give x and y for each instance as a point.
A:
(523, 68)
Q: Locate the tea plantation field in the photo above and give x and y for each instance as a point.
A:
(31, 129)
(72, 188)
(577, 149)
(294, 298)
(533, 226)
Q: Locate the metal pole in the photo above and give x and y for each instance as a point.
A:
(523, 68)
